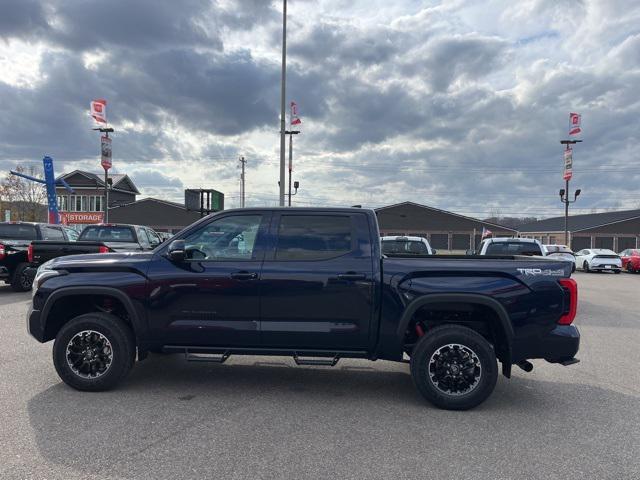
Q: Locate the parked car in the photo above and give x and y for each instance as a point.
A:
(100, 238)
(121, 237)
(312, 284)
(15, 238)
(510, 246)
(598, 260)
(406, 245)
(630, 260)
(561, 252)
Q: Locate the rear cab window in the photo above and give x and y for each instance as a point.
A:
(314, 237)
(513, 248)
(103, 233)
(410, 247)
(17, 231)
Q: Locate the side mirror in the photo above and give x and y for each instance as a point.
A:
(176, 251)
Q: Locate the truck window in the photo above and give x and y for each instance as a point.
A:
(52, 233)
(409, 247)
(513, 248)
(143, 238)
(101, 233)
(228, 238)
(313, 237)
(17, 231)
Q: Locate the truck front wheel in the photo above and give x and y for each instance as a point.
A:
(94, 351)
(454, 367)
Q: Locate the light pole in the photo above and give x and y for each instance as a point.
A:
(106, 164)
(282, 97)
(291, 133)
(564, 192)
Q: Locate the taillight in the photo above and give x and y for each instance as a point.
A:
(103, 249)
(30, 253)
(2, 251)
(570, 304)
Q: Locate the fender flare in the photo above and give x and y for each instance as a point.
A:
(468, 298)
(139, 327)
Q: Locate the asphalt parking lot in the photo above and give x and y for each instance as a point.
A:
(258, 417)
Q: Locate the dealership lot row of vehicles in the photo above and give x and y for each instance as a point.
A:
(24, 246)
(589, 260)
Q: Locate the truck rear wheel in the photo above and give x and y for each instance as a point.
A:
(94, 351)
(21, 281)
(454, 367)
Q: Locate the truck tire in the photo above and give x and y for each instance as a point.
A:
(454, 367)
(20, 281)
(94, 351)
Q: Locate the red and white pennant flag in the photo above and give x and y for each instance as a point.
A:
(99, 110)
(294, 119)
(574, 124)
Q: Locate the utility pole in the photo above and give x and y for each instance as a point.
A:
(242, 183)
(282, 97)
(564, 192)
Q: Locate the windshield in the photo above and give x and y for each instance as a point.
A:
(18, 231)
(411, 247)
(513, 248)
(107, 234)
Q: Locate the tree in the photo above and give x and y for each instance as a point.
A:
(25, 198)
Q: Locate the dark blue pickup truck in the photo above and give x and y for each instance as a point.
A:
(311, 284)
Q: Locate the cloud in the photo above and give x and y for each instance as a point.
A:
(459, 105)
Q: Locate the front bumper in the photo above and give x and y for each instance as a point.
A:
(34, 325)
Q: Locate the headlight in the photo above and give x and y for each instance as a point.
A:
(43, 273)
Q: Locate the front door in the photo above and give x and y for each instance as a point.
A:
(211, 298)
(317, 285)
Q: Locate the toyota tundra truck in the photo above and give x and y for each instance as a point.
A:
(312, 284)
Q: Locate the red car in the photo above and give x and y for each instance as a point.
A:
(631, 260)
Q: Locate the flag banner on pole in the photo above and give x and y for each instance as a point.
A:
(486, 232)
(574, 124)
(99, 110)
(105, 147)
(568, 164)
(294, 119)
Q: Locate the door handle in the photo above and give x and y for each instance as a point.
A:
(352, 276)
(244, 275)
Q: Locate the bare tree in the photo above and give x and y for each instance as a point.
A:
(25, 197)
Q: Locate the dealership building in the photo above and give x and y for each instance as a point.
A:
(616, 231)
(446, 231)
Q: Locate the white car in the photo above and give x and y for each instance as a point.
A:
(561, 252)
(511, 246)
(406, 245)
(598, 260)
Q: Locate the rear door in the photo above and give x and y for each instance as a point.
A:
(317, 282)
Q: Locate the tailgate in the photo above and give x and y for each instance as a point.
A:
(45, 250)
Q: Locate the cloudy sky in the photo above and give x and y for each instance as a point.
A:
(454, 104)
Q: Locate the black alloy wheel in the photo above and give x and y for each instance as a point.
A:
(94, 351)
(454, 367)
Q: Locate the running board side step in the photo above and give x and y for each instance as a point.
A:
(327, 362)
(206, 357)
